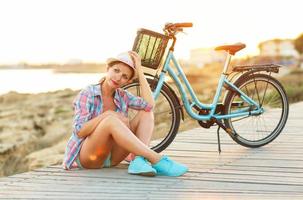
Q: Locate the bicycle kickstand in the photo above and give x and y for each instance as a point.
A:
(220, 125)
(218, 136)
(227, 130)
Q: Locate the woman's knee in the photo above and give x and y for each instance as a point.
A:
(103, 128)
(109, 121)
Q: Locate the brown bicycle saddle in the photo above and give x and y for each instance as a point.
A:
(232, 49)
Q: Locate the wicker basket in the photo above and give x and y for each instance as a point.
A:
(150, 46)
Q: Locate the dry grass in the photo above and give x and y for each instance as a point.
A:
(293, 84)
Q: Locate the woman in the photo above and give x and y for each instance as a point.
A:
(102, 134)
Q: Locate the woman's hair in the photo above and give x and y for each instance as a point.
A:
(113, 63)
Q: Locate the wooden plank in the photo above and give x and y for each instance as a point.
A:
(271, 172)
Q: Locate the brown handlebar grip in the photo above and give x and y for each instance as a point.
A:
(186, 24)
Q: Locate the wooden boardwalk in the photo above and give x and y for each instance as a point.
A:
(272, 172)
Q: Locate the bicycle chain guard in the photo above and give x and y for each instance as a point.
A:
(205, 123)
(208, 123)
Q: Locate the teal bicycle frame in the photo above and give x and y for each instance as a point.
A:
(212, 107)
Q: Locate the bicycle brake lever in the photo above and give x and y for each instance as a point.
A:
(184, 33)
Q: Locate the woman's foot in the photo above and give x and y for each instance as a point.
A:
(168, 167)
(130, 157)
(140, 166)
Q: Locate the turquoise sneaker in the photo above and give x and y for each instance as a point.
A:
(168, 167)
(140, 166)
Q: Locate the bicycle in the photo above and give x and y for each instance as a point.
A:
(254, 109)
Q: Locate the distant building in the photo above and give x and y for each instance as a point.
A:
(280, 51)
(278, 47)
(202, 56)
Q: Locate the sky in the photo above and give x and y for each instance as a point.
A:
(57, 31)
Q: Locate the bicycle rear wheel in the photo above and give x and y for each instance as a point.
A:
(257, 130)
(166, 115)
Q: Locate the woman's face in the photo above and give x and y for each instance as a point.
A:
(118, 75)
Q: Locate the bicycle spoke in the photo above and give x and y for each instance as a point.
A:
(273, 97)
(264, 94)
(265, 126)
(257, 91)
(247, 92)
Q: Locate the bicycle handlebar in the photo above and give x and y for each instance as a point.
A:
(176, 26)
(171, 29)
(184, 25)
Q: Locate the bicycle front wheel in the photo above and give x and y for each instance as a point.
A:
(260, 129)
(166, 115)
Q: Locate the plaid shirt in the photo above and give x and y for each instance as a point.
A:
(87, 105)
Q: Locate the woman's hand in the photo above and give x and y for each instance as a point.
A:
(137, 60)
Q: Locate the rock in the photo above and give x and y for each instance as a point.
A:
(34, 129)
(46, 157)
(12, 98)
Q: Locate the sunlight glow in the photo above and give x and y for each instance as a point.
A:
(46, 31)
(93, 157)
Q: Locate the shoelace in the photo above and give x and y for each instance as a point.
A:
(169, 161)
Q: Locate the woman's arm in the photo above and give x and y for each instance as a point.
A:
(90, 126)
(146, 92)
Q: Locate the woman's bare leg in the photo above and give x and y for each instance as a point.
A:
(142, 125)
(108, 132)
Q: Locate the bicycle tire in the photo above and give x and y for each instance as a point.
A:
(276, 123)
(165, 127)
